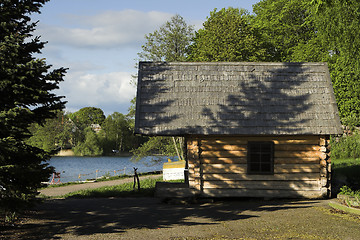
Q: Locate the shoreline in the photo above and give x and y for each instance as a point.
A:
(70, 153)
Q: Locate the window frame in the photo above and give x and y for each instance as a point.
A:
(261, 154)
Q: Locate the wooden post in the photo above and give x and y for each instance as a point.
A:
(193, 155)
(136, 178)
(325, 167)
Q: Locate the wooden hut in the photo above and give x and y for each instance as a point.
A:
(251, 129)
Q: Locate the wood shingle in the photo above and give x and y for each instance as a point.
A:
(186, 98)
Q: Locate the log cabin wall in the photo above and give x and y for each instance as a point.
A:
(218, 167)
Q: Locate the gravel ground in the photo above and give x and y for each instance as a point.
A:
(150, 218)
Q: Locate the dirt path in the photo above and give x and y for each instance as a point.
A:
(58, 191)
(149, 218)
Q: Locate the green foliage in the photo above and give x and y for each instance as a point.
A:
(345, 147)
(55, 133)
(284, 25)
(351, 121)
(91, 146)
(87, 116)
(163, 146)
(227, 35)
(169, 42)
(353, 199)
(319, 31)
(118, 134)
(345, 190)
(26, 97)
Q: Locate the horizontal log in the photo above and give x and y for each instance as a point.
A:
(297, 170)
(193, 157)
(224, 168)
(242, 168)
(314, 140)
(269, 185)
(223, 154)
(228, 160)
(194, 170)
(193, 161)
(324, 149)
(275, 177)
(224, 141)
(298, 147)
(289, 154)
(302, 160)
(324, 141)
(194, 181)
(323, 163)
(278, 160)
(226, 147)
(193, 147)
(261, 193)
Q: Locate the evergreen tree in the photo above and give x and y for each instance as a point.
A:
(26, 97)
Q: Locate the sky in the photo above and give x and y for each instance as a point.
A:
(98, 41)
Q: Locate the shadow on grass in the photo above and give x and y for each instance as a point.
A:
(346, 172)
(85, 217)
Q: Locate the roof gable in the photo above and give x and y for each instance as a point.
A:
(235, 98)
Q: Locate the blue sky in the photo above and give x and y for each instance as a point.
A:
(98, 40)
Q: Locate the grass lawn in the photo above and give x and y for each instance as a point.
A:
(101, 179)
(124, 190)
(348, 169)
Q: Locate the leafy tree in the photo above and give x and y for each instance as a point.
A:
(168, 43)
(338, 30)
(318, 31)
(55, 133)
(284, 25)
(156, 146)
(91, 146)
(26, 97)
(228, 36)
(118, 134)
(87, 116)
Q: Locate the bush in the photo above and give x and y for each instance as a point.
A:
(351, 121)
(346, 147)
(348, 191)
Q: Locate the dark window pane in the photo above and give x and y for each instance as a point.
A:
(266, 157)
(255, 148)
(255, 167)
(266, 167)
(260, 157)
(266, 148)
(255, 157)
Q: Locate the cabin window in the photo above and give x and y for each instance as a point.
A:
(260, 158)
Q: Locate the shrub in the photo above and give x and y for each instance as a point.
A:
(346, 147)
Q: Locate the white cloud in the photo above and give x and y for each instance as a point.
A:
(105, 30)
(97, 90)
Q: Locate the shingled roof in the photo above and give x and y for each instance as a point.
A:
(183, 98)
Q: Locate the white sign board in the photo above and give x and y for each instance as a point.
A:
(173, 173)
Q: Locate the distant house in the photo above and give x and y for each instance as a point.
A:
(251, 129)
(96, 127)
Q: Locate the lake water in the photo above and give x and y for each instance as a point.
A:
(82, 168)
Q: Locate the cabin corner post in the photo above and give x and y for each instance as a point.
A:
(193, 155)
(185, 151)
(325, 166)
